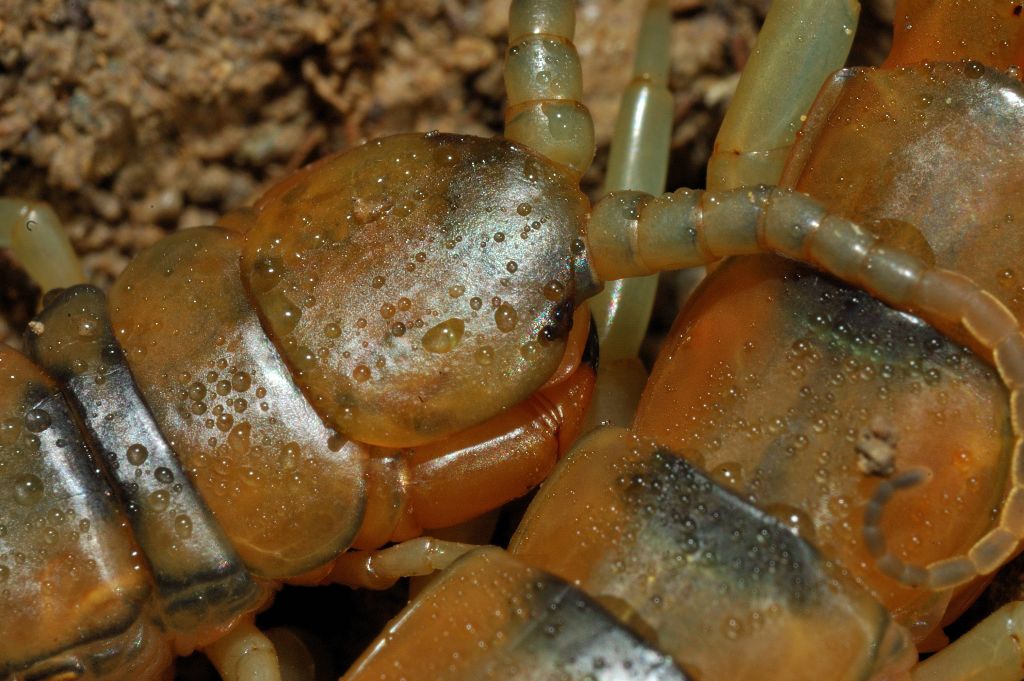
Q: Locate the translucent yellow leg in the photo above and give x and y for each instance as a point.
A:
(801, 43)
(382, 568)
(244, 654)
(34, 234)
(991, 651)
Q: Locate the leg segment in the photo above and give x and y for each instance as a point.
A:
(381, 569)
(634, 234)
(244, 654)
(801, 43)
(544, 84)
(991, 651)
(643, 129)
(295, 659)
(34, 233)
(639, 161)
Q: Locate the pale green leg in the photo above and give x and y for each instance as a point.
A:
(544, 82)
(801, 44)
(639, 161)
(38, 241)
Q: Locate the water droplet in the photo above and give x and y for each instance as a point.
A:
(973, 69)
(224, 422)
(553, 290)
(524, 209)
(512, 266)
(163, 475)
(456, 291)
(137, 454)
(241, 381)
(505, 317)
(361, 373)
(196, 392)
(286, 317)
(484, 355)
(795, 519)
(387, 310)
(37, 420)
(238, 438)
(729, 474)
(160, 500)
(445, 336)
(88, 327)
(28, 489)
(398, 329)
(404, 304)
(378, 282)
(732, 628)
(476, 303)
(183, 526)
(266, 274)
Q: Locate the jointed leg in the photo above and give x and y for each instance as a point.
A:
(639, 161)
(244, 654)
(296, 661)
(381, 569)
(991, 651)
(34, 233)
(544, 84)
(801, 44)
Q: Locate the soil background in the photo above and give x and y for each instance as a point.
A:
(136, 118)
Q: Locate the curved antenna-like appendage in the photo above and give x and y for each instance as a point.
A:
(875, 539)
(633, 234)
(544, 82)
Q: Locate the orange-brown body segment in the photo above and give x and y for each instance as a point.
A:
(802, 393)
(419, 284)
(987, 31)
(73, 593)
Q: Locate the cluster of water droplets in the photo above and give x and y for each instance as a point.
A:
(38, 526)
